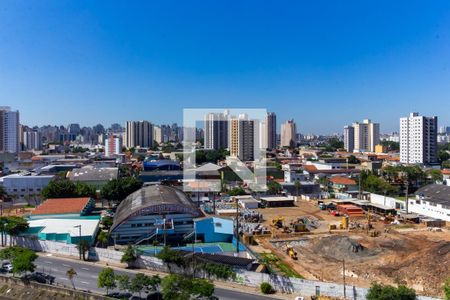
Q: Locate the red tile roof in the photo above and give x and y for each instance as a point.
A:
(310, 168)
(342, 180)
(61, 206)
(446, 172)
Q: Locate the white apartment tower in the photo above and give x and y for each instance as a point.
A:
(288, 134)
(418, 139)
(139, 134)
(216, 130)
(157, 134)
(268, 132)
(242, 138)
(9, 130)
(366, 136)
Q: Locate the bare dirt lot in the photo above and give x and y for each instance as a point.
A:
(411, 255)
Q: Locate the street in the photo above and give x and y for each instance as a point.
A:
(86, 278)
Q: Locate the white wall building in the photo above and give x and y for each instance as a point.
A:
(157, 134)
(216, 130)
(139, 134)
(25, 188)
(32, 140)
(349, 138)
(366, 136)
(432, 201)
(418, 139)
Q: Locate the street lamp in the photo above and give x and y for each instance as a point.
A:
(79, 241)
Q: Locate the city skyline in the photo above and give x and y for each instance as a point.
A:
(301, 60)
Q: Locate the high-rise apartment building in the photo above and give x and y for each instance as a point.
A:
(349, 138)
(9, 130)
(32, 140)
(139, 134)
(288, 134)
(242, 138)
(268, 132)
(418, 139)
(113, 145)
(366, 136)
(216, 130)
(157, 134)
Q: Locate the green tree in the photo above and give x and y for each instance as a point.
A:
(106, 279)
(3, 194)
(297, 186)
(138, 283)
(64, 188)
(171, 256)
(435, 175)
(178, 287)
(71, 273)
(123, 282)
(129, 256)
(237, 191)
(83, 246)
(273, 187)
(446, 289)
(387, 292)
(107, 221)
(21, 258)
(352, 160)
(266, 288)
(14, 226)
(118, 189)
(102, 238)
(390, 145)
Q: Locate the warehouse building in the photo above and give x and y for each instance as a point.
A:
(154, 212)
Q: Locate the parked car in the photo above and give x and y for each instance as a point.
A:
(119, 295)
(7, 267)
(39, 277)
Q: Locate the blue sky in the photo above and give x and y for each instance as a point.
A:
(323, 63)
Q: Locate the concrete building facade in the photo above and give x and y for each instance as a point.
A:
(349, 138)
(216, 130)
(9, 130)
(288, 134)
(139, 134)
(242, 138)
(418, 139)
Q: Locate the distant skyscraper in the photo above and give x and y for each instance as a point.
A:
(9, 130)
(366, 136)
(242, 138)
(139, 134)
(216, 130)
(288, 134)
(349, 138)
(157, 134)
(268, 132)
(418, 139)
(113, 146)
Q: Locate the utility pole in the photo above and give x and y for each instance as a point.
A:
(407, 191)
(359, 183)
(343, 275)
(79, 241)
(237, 226)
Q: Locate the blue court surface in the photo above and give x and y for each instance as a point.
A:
(209, 248)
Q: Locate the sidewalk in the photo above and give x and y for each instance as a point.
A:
(120, 267)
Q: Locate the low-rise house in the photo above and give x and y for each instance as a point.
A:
(25, 188)
(446, 176)
(432, 201)
(340, 184)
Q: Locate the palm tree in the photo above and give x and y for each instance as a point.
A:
(103, 238)
(71, 273)
(83, 246)
(297, 185)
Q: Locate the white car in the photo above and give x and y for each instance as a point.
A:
(7, 267)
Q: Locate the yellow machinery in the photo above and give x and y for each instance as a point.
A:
(299, 227)
(344, 224)
(278, 222)
(291, 252)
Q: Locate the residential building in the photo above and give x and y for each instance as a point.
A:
(32, 140)
(139, 134)
(268, 133)
(157, 134)
(9, 130)
(216, 130)
(418, 139)
(288, 134)
(366, 136)
(242, 138)
(432, 201)
(349, 138)
(113, 146)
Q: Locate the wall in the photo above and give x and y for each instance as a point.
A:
(387, 201)
(283, 284)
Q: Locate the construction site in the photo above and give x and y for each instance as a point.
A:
(336, 242)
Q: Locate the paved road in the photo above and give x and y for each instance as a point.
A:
(86, 278)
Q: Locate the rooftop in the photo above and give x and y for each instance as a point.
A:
(342, 180)
(61, 206)
(60, 226)
(93, 174)
(436, 193)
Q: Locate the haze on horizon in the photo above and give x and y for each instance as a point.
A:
(323, 63)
